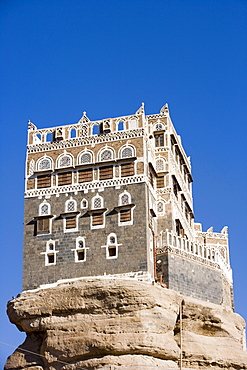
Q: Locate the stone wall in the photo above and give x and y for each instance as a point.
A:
(132, 251)
(193, 279)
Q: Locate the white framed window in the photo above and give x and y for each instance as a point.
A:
(106, 155)
(72, 133)
(80, 250)
(95, 129)
(125, 211)
(84, 203)
(127, 152)
(97, 218)
(65, 160)
(85, 157)
(70, 205)
(133, 123)
(44, 208)
(124, 198)
(97, 202)
(111, 246)
(160, 165)
(159, 126)
(44, 164)
(70, 218)
(70, 223)
(161, 207)
(120, 126)
(50, 253)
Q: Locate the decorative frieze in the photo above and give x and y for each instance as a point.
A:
(82, 187)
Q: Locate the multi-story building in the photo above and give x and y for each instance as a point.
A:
(114, 197)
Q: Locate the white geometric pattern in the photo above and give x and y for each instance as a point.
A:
(127, 152)
(160, 165)
(65, 161)
(44, 210)
(86, 158)
(44, 164)
(124, 199)
(97, 203)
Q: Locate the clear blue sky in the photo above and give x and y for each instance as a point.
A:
(59, 58)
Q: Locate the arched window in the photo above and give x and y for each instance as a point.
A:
(44, 163)
(84, 203)
(65, 161)
(120, 126)
(85, 157)
(50, 253)
(95, 130)
(97, 202)
(72, 133)
(111, 246)
(127, 152)
(70, 205)
(125, 213)
(132, 123)
(106, 155)
(158, 126)
(44, 209)
(49, 137)
(160, 165)
(80, 250)
(160, 207)
(124, 199)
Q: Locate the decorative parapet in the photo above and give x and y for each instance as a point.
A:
(206, 254)
(90, 140)
(84, 186)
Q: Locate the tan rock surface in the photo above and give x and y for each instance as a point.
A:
(122, 324)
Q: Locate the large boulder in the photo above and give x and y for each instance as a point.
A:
(122, 324)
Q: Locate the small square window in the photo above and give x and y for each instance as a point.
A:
(43, 225)
(51, 258)
(81, 255)
(112, 251)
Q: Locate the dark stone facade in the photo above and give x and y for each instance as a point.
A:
(132, 253)
(192, 279)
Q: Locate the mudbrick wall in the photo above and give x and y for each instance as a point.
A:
(123, 324)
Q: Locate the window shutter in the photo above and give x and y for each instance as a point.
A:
(159, 140)
(127, 169)
(43, 181)
(71, 222)
(97, 219)
(43, 225)
(160, 182)
(65, 178)
(125, 215)
(106, 172)
(86, 175)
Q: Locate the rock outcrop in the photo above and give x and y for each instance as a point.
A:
(122, 324)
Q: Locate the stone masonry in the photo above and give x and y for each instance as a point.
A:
(114, 197)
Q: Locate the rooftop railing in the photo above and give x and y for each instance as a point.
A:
(203, 253)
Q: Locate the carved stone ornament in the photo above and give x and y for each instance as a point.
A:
(84, 118)
(141, 109)
(164, 109)
(31, 126)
